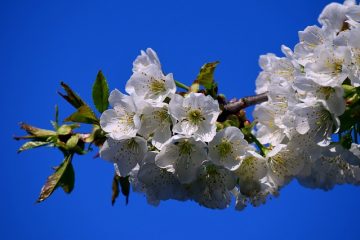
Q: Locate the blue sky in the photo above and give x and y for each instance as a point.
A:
(45, 42)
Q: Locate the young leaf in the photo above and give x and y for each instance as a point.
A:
(100, 93)
(83, 115)
(64, 130)
(59, 178)
(206, 75)
(71, 96)
(31, 145)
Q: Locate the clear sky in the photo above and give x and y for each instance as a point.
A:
(45, 42)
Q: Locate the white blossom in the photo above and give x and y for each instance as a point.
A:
(332, 97)
(228, 148)
(331, 65)
(156, 122)
(251, 171)
(123, 121)
(125, 153)
(315, 120)
(148, 80)
(195, 115)
(283, 163)
(212, 186)
(158, 183)
(182, 156)
(145, 59)
(333, 168)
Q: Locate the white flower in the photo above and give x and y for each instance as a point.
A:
(274, 68)
(228, 148)
(354, 45)
(268, 130)
(156, 121)
(183, 157)
(332, 168)
(125, 153)
(123, 121)
(283, 163)
(315, 120)
(330, 67)
(263, 189)
(310, 39)
(252, 169)
(212, 186)
(310, 91)
(158, 183)
(148, 80)
(145, 59)
(333, 17)
(195, 115)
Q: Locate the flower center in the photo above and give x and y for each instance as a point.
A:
(185, 148)
(163, 115)
(326, 91)
(157, 86)
(224, 148)
(195, 116)
(127, 119)
(324, 117)
(132, 145)
(336, 66)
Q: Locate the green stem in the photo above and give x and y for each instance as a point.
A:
(262, 148)
(181, 85)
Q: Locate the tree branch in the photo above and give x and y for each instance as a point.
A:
(234, 107)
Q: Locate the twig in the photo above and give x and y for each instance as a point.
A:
(245, 102)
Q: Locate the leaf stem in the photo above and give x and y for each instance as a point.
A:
(262, 148)
(181, 85)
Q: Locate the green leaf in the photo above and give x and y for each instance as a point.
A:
(56, 122)
(71, 96)
(64, 130)
(31, 145)
(72, 142)
(63, 177)
(115, 189)
(100, 93)
(206, 75)
(83, 115)
(346, 141)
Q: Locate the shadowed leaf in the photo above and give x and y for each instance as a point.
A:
(68, 179)
(63, 176)
(71, 96)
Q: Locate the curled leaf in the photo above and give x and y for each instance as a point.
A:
(31, 145)
(71, 96)
(63, 176)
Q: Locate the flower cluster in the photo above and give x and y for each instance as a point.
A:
(173, 145)
(309, 92)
